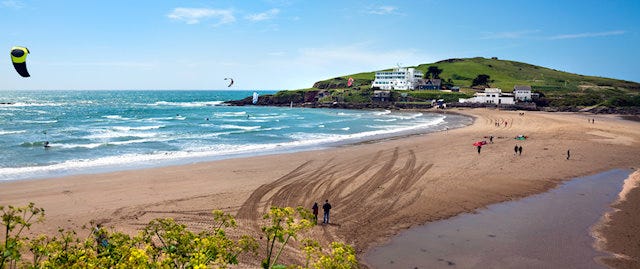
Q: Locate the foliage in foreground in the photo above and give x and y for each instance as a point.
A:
(163, 243)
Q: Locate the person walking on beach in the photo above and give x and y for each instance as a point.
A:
(326, 207)
(491, 139)
(520, 150)
(479, 148)
(515, 149)
(568, 154)
(315, 212)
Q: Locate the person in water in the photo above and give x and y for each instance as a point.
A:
(46, 144)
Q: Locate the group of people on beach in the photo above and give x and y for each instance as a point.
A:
(326, 208)
(517, 149)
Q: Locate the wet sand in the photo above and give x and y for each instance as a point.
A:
(376, 189)
(619, 231)
(548, 230)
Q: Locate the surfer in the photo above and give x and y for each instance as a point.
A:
(46, 144)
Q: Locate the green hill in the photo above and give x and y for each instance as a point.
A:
(557, 88)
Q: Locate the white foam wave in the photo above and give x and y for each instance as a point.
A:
(385, 120)
(380, 113)
(187, 104)
(107, 134)
(71, 146)
(246, 128)
(141, 128)
(28, 104)
(230, 114)
(114, 117)
(406, 116)
(37, 121)
(12, 132)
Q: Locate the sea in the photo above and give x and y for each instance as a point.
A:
(111, 130)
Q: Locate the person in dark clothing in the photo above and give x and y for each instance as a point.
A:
(515, 149)
(479, 148)
(315, 212)
(491, 139)
(326, 207)
(568, 154)
(520, 150)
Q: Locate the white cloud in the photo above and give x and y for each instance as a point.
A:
(508, 35)
(196, 15)
(382, 10)
(267, 15)
(276, 53)
(358, 55)
(13, 4)
(587, 35)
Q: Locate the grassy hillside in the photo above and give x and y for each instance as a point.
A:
(558, 88)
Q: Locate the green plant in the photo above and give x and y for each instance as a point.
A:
(15, 220)
(162, 243)
(285, 223)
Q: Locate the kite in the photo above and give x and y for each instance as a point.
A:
(229, 83)
(349, 82)
(19, 59)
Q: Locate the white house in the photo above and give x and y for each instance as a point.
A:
(399, 79)
(522, 93)
(490, 96)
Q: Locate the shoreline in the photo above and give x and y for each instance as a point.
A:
(110, 164)
(377, 189)
(617, 231)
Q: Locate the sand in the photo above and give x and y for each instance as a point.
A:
(376, 189)
(619, 231)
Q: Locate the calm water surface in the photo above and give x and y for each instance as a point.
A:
(549, 230)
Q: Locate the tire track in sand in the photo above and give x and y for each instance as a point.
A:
(365, 193)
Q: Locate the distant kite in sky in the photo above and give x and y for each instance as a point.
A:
(19, 59)
(229, 83)
(349, 82)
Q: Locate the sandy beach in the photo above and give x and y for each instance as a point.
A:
(376, 189)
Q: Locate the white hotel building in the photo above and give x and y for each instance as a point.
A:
(490, 96)
(399, 79)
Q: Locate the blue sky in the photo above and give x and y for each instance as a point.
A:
(290, 44)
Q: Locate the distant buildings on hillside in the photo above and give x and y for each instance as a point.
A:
(401, 78)
(407, 78)
(496, 96)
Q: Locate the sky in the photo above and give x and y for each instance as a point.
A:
(290, 44)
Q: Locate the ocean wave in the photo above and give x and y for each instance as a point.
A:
(187, 104)
(230, 114)
(246, 128)
(380, 113)
(73, 146)
(32, 144)
(28, 104)
(195, 151)
(36, 121)
(108, 134)
(406, 117)
(115, 117)
(12, 132)
(140, 128)
(385, 120)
